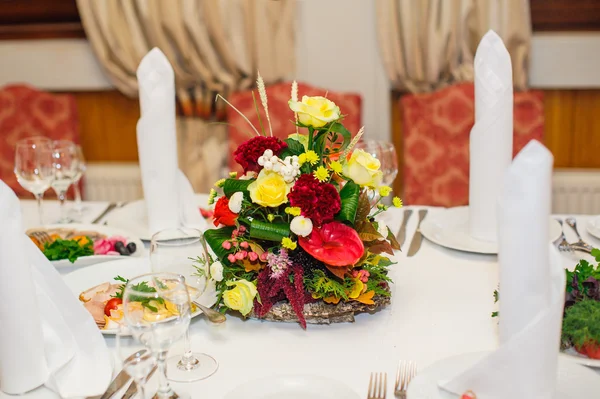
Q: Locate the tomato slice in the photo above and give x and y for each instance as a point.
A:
(590, 349)
(112, 305)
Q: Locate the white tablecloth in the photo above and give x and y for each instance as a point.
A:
(441, 306)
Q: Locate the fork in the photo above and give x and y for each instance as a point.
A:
(41, 236)
(563, 245)
(573, 224)
(377, 386)
(406, 372)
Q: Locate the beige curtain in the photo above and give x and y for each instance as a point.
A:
(428, 44)
(215, 46)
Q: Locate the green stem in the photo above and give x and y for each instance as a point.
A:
(311, 131)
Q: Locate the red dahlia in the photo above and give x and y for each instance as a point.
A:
(247, 154)
(318, 201)
(223, 214)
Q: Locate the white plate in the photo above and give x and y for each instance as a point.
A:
(573, 355)
(574, 381)
(293, 387)
(132, 217)
(450, 228)
(81, 280)
(93, 259)
(593, 226)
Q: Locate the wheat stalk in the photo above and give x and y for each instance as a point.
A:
(352, 143)
(238, 111)
(263, 99)
(295, 99)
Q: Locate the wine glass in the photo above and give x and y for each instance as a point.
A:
(34, 167)
(156, 311)
(176, 250)
(65, 169)
(385, 152)
(79, 171)
(138, 362)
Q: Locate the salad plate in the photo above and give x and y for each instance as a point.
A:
(293, 387)
(593, 226)
(132, 217)
(573, 380)
(450, 228)
(85, 244)
(81, 281)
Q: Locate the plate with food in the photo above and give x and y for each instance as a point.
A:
(100, 289)
(67, 245)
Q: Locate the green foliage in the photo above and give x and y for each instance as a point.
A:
(349, 196)
(294, 147)
(215, 238)
(141, 287)
(232, 186)
(584, 271)
(68, 249)
(337, 127)
(269, 231)
(323, 286)
(581, 323)
(377, 266)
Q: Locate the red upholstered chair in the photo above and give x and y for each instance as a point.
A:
(436, 129)
(25, 112)
(280, 113)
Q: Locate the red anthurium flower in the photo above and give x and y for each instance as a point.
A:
(222, 214)
(335, 244)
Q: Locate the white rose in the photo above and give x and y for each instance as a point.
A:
(383, 230)
(216, 271)
(301, 226)
(235, 202)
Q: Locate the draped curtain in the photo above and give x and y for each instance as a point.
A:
(429, 44)
(214, 46)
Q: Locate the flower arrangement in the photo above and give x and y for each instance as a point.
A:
(298, 226)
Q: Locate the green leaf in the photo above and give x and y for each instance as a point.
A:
(346, 135)
(232, 186)
(294, 147)
(596, 254)
(269, 231)
(215, 239)
(349, 196)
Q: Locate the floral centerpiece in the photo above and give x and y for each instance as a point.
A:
(298, 226)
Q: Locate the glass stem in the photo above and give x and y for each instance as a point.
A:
(38, 198)
(63, 210)
(140, 388)
(164, 389)
(188, 361)
(78, 205)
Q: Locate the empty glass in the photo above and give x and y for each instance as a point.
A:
(385, 152)
(66, 166)
(138, 362)
(156, 311)
(175, 251)
(79, 171)
(34, 167)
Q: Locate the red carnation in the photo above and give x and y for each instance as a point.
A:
(223, 214)
(318, 201)
(248, 152)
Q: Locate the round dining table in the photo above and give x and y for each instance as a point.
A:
(441, 305)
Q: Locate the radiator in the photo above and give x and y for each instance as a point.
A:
(575, 191)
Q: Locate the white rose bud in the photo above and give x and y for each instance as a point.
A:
(216, 271)
(383, 230)
(301, 226)
(235, 202)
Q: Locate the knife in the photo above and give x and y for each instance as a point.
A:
(109, 208)
(415, 244)
(116, 384)
(402, 232)
(132, 390)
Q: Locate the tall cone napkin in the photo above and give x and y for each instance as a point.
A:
(168, 194)
(491, 141)
(532, 289)
(48, 338)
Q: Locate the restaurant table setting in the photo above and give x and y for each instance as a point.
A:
(463, 302)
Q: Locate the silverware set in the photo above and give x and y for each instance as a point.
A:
(564, 246)
(407, 370)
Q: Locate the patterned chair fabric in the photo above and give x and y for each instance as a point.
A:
(280, 113)
(25, 112)
(436, 128)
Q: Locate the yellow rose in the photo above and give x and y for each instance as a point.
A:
(269, 189)
(315, 111)
(241, 296)
(363, 169)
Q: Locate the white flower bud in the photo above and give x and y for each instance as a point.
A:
(268, 165)
(261, 161)
(276, 167)
(301, 226)
(268, 154)
(274, 159)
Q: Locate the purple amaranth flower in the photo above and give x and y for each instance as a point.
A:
(278, 263)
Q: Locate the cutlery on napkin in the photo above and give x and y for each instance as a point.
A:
(168, 193)
(491, 140)
(532, 289)
(48, 338)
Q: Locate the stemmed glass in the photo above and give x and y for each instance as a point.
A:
(34, 167)
(65, 163)
(175, 251)
(385, 152)
(156, 311)
(79, 171)
(138, 362)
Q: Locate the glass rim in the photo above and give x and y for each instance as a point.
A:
(63, 144)
(33, 142)
(192, 235)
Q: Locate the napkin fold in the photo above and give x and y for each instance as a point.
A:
(532, 290)
(48, 338)
(169, 196)
(491, 140)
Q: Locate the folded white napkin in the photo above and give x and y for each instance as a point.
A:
(532, 289)
(48, 338)
(168, 193)
(491, 141)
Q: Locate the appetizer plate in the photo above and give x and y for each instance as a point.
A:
(450, 228)
(132, 217)
(574, 380)
(82, 280)
(293, 387)
(99, 229)
(593, 226)
(573, 355)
